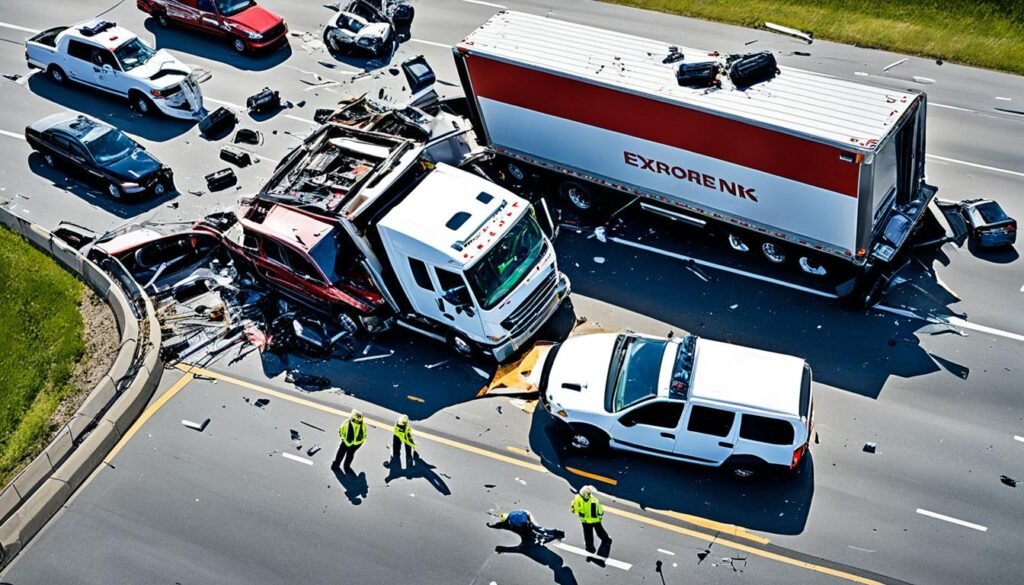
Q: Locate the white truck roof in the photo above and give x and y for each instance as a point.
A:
(456, 214)
(747, 378)
(851, 115)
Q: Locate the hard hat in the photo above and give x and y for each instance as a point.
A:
(356, 415)
(587, 491)
(403, 420)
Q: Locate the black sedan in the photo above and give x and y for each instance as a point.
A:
(988, 223)
(100, 154)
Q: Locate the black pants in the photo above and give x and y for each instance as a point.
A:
(588, 535)
(345, 454)
(396, 451)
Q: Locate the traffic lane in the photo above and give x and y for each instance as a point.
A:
(978, 138)
(227, 502)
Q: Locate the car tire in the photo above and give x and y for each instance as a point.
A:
(588, 439)
(57, 75)
(160, 189)
(240, 46)
(115, 192)
(578, 195)
(141, 104)
(163, 20)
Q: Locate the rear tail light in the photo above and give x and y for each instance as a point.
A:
(798, 455)
(157, 93)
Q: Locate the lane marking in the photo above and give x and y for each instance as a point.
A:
(695, 534)
(608, 561)
(592, 476)
(666, 552)
(952, 520)
(12, 135)
(482, 3)
(145, 416)
(21, 28)
(1003, 99)
(297, 458)
(373, 423)
(730, 529)
(952, 321)
(957, 108)
(1018, 438)
(298, 119)
(223, 103)
(518, 451)
(975, 165)
(743, 547)
(867, 550)
(431, 43)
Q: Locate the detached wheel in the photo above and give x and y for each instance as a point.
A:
(115, 192)
(57, 75)
(587, 439)
(239, 46)
(578, 195)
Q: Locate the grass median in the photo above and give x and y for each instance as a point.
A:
(42, 342)
(984, 33)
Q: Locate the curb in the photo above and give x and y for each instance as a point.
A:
(44, 487)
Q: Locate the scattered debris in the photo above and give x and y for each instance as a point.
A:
(415, 398)
(312, 426)
(262, 402)
(870, 447)
(894, 64)
(200, 426)
(265, 100)
(375, 357)
(218, 123)
(437, 364)
(923, 80)
(599, 259)
(313, 450)
(482, 373)
(1007, 480)
(806, 36)
(307, 381)
(12, 76)
(235, 156)
(674, 55)
(733, 307)
(599, 233)
(221, 179)
(247, 136)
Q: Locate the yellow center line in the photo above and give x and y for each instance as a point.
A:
(730, 529)
(592, 476)
(145, 416)
(702, 536)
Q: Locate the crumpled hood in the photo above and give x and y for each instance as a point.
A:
(375, 30)
(162, 62)
(256, 19)
(135, 166)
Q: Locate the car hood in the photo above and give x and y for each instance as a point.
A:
(580, 362)
(163, 62)
(256, 19)
(136, 165)
(375, 30)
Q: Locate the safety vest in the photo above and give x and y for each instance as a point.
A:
(589, 511)
(405, 434)
(352, 433)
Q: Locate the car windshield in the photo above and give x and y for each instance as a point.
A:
(133, 53)
(355, 25)
(634, 372)
(109, 146)
(231, 7)
(501, 270)
(991, 212)
(683, 368)
(326, 255)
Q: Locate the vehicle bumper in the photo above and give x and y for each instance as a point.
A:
(268, 44)
(179, 113)
(996, 240)
(506, 349)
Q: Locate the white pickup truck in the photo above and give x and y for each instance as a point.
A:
(102, 55)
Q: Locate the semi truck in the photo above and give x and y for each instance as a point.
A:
(802, 168)
(379, 229)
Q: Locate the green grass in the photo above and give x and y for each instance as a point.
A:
(41, 342)
(984, 33)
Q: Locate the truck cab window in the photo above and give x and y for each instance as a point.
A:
(710, 421)
(452, 281)
(665, 415)
(420, 274)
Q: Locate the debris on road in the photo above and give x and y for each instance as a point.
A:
(262, 402)
(599, 259)
(247, 136)
(235, 156)
(1007, 480)
(218, 123)
(805, 36)
(869, 447)
(221, 180)
(199, 426)
(894, 64)
(313, 450)
(265, 100)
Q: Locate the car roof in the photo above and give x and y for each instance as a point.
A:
(746, 378)
(292, 226)
(76, 125)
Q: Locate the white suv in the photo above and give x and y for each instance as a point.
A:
(687, 399)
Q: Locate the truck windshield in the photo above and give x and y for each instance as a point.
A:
(635, 367)
(501, 270)
(132, 54)
(109, 146)
(232, 7)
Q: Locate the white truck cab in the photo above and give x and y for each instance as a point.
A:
(101, 55)
(472, 258)
(687, 399)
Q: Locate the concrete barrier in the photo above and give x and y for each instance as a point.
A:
(49, 481)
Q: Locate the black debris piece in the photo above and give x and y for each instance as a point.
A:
(300, 104)
(247, 136)
(307, 381)
(312, 426)
(265, 100)
(313, 450)
(870, 447)
(262, 402)
(322, 114)
(221, 179)
(1007, 480)
(173, 347)
(802, 53)
(751, 68)
(702, 74)
(235, 156)
(218, 123)
(12, 76)
(674, 55)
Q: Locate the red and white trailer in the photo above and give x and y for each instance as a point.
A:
(803, 163)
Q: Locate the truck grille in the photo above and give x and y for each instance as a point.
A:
(523, 317)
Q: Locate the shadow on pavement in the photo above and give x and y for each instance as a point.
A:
(356, 488)
(181, 40)
(419, 470)
(542, 555)
(775, 503)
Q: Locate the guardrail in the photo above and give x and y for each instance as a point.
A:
(41, 489)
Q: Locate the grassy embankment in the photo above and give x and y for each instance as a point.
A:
(984, 33)
(41, 342)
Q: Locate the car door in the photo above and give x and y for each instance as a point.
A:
(78, 64)
(183, 11)
(107, 72)
(77, 160)
(209, 19)
(707, 435)
(454, 302)
(650, 426)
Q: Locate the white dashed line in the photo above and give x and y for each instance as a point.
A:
(579, 551)
(21, 28)
(298, 119)
(223, 103)
(431, 43)
(482, 3)
(1003, 99)
(957, 108)
(952, 520)
(975, 165)
(12, 135)
(297, 458)
(1018, 438)
(666, 552)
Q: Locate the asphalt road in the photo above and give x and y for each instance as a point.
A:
(226, 505)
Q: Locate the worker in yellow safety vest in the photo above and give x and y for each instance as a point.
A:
(588, 509)
(353, 435)
(403, 435)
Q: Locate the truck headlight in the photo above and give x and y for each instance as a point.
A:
(253, 36)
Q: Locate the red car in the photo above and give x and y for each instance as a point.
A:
(249, 27)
